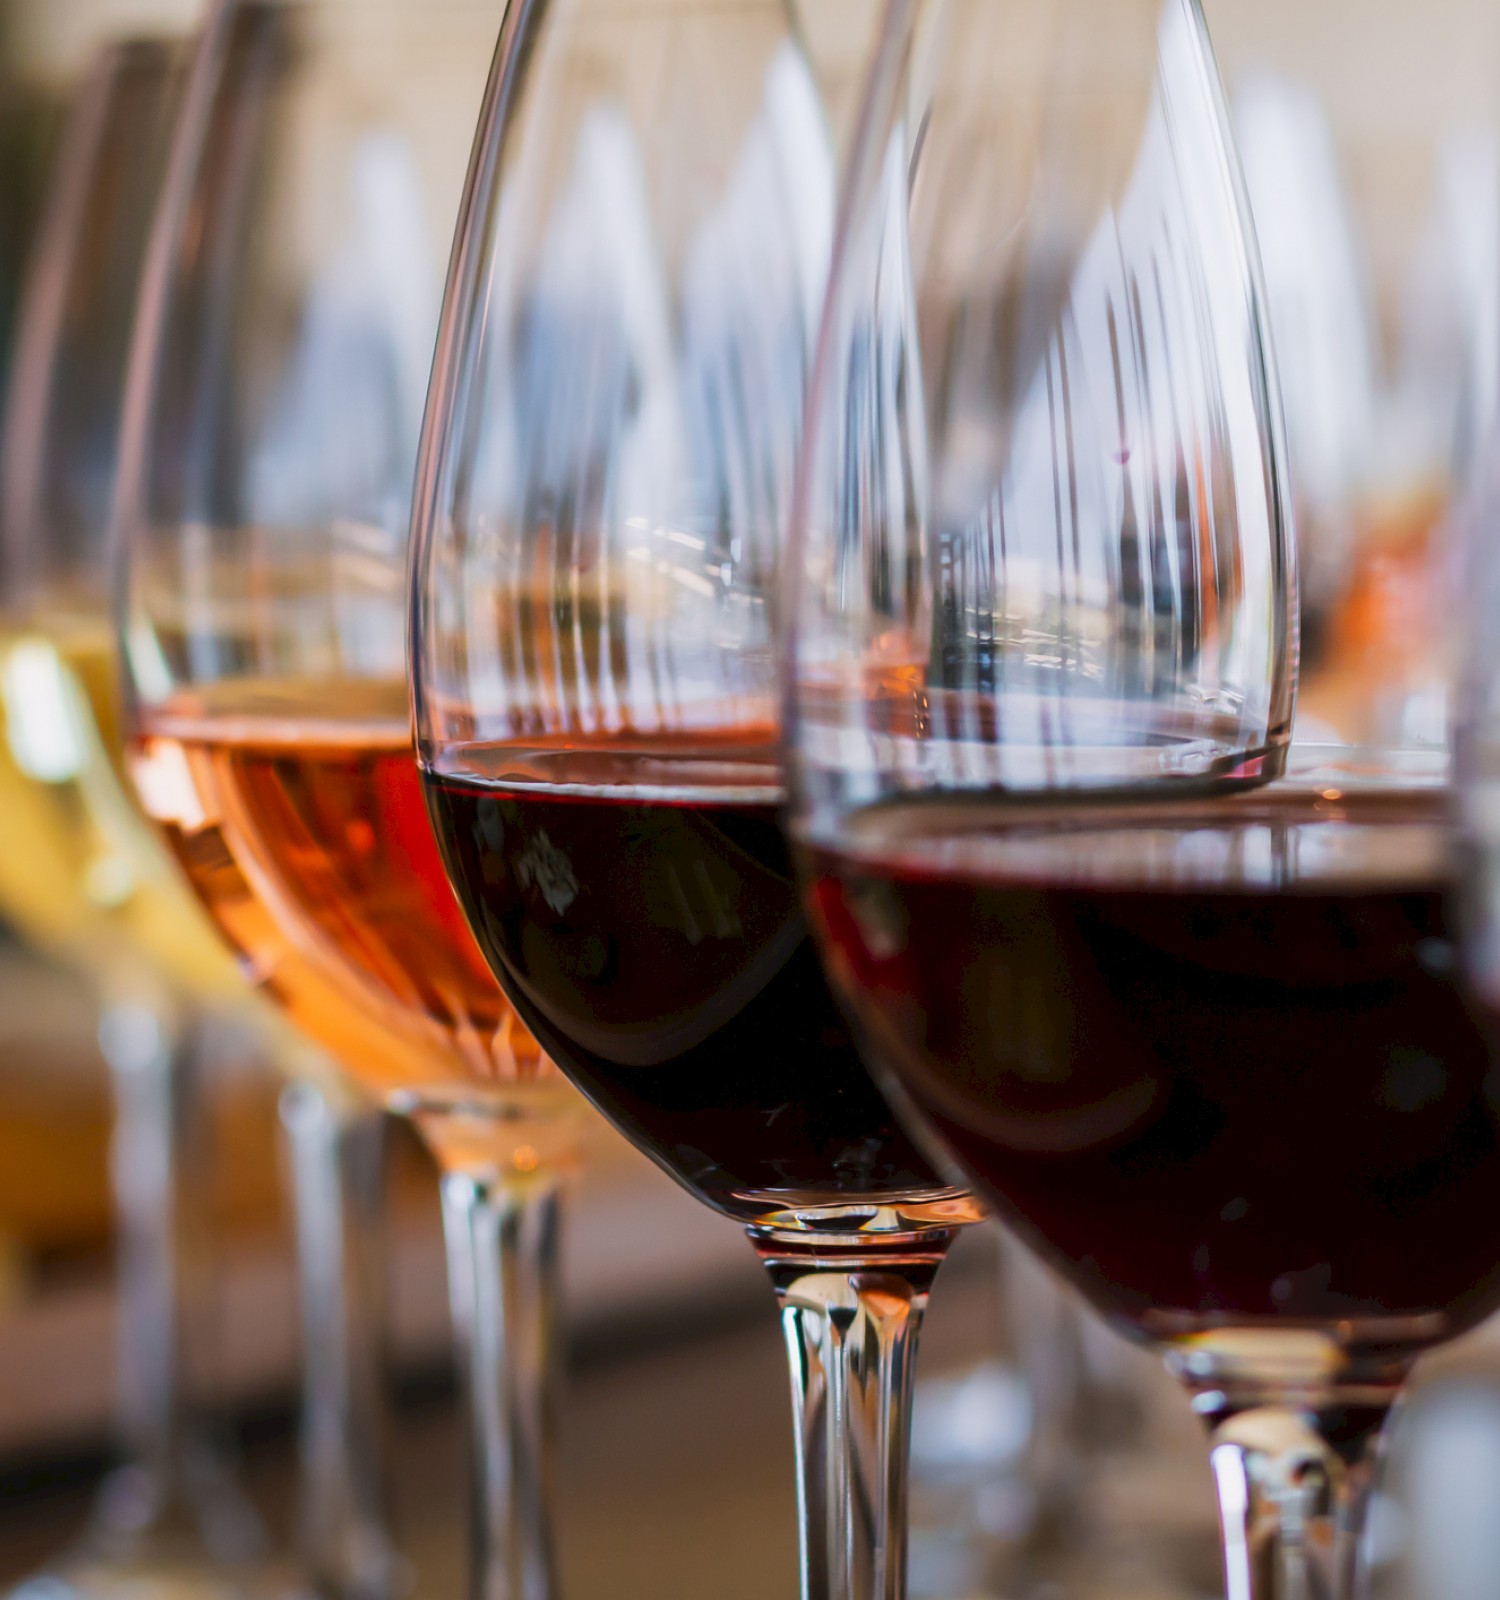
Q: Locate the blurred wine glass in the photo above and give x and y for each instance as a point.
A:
(275, 400)
(1372, 158)
(80, 872)
(87, 878)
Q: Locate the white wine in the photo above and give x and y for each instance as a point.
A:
(82, 872)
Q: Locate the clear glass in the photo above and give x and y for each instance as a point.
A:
(1372, 160)
(1371, 170)
(1147, 986)
(606, 475)
(1048, 477)
(275, 395)
(86, 877)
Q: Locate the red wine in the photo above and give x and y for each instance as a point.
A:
(1214, 1060)
(655, 944)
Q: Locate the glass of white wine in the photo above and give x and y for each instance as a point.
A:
(85, 876)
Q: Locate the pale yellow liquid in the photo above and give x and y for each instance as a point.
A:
(88, 878)
(82, 872)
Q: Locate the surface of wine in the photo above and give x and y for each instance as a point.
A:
(651, 936)
(82, 872)
(1213, 1059)
(308, 840)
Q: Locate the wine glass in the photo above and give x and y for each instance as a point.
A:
(283, 344)
(1373, 184)
(605, 477)
(86, 876)
(1188, 1020)
(1378, 237)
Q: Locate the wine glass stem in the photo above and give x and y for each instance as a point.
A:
(336, 1146)
(502, 1278)
(1294, 1487)
(174, 1493)
(159, 1174)
(851, 1322)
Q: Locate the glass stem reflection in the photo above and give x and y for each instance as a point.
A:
(502, 1278)
(1294, 1488)
(337, 1147)
(851, 1319)
(175, 1477)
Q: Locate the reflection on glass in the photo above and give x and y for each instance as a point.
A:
(1379, 243)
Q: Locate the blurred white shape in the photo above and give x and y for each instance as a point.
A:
(1137, 500)
(647, 447)
(346, 413)
(1322, 320)
(752, 295)
(42, 723)
(1451, 1481)
(1449, 361)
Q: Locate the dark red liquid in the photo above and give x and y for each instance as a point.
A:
(1216, 1064)
(659, 953)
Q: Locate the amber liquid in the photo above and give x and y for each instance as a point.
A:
(309, 842)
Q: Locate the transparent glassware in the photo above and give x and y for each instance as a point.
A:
(86, 877)
(283, 346)
(1371, 169)
(1116, 961)
(606, 474)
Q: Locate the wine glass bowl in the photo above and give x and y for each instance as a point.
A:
(264, 599)
(615, 440)
(1182, 1004)
(93, 882)
(1039, 544)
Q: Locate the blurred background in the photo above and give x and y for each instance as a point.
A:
(1369, 136)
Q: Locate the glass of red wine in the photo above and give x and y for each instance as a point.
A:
(604, 487)
(1187, 1014)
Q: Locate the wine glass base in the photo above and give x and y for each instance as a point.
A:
(157, 1574)
(202, 1542)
